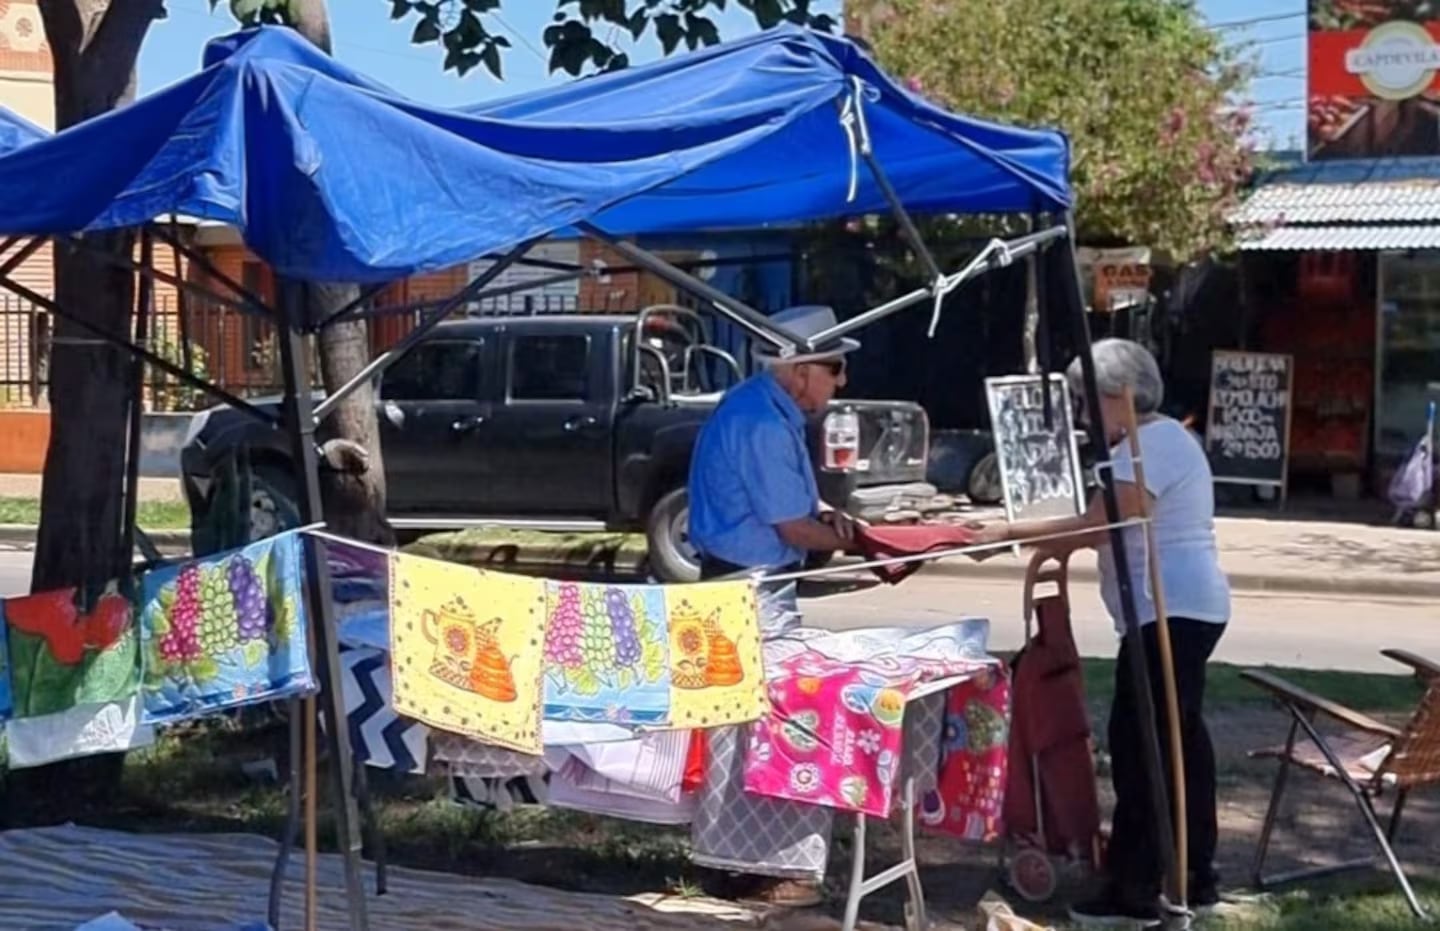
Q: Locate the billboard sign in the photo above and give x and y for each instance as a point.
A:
(1374, 78)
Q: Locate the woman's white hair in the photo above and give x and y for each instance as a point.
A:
(1121, 364)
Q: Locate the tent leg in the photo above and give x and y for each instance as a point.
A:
(144, 293)
(300, 423)
(1140, 673)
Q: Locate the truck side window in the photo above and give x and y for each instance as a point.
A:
(438, 371)
(550, 368)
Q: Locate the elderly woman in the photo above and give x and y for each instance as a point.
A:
(1181, 497)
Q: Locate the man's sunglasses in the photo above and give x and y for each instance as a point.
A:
(836, 367)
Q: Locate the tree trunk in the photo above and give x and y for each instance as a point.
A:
(353, 482)
(94, 44)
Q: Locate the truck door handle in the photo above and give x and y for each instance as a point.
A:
(576, 424)
(464, 425)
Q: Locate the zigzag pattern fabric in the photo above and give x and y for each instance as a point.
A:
(379, 736)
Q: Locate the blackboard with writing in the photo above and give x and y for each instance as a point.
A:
(1247, 436)
(1039, 462)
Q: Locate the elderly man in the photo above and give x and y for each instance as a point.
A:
(754, 505)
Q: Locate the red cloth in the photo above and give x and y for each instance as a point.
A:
(1050, 731)
(909, 540)
(694, 775)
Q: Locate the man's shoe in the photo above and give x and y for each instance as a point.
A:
(1112, 911)
(789, 893)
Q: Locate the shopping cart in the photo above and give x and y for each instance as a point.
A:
(1052, 807)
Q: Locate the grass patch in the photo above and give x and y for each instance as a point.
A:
(150, 515)
(1372, 692)
(1360, 903)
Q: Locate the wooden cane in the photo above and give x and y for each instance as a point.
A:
(1167, 659)
(311, 830)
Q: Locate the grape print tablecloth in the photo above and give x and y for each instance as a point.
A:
(467, 650)
(225, 631)
(607, 654)
(63, 655)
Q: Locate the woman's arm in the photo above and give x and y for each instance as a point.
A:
(1084, 527)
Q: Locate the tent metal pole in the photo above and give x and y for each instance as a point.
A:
(182, 305)
(745, 316)
(1134, 639)
(897, 207)
(212, 270)
(688, 265)
(380, 363)
(242, 304)
(158, 362)
(1017, 248)
(144, 296)
(27, 250)
(300, 425)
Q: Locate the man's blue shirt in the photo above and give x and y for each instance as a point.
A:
(751, 471)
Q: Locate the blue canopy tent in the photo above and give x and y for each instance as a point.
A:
(16, 131)
(329, 176)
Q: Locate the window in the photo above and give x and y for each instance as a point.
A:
(256, 331)
(439, 371)
(550, 368)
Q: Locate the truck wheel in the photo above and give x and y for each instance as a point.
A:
(667, 533)
(983, 485)
(274, 501)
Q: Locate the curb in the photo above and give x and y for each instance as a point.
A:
(167, 541)
(1240, 582)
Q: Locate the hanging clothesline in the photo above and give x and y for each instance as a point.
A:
(837, 569)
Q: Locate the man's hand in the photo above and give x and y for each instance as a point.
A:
(847, 528)
(989, 535)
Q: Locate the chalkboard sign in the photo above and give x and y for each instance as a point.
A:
(1247, 436)
(1039, 462)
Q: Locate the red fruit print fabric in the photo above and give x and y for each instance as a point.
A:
(64, 653)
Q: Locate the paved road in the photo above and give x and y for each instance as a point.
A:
(1283, 630)
(1322, 633)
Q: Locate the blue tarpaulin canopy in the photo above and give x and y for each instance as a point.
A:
(332, 177)
(16, 131)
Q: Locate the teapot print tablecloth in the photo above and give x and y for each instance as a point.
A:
(467, 650)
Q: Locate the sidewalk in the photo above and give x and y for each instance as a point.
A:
(1293, 556)
(28, 486)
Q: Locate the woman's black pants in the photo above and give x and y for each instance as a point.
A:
(1134, 862)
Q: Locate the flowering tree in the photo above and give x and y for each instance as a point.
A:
(1147, 94)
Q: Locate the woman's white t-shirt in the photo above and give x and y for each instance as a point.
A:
(1182, 511)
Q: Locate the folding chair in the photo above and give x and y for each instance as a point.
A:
(1369, 759)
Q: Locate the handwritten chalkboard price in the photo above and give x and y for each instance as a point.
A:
(1248, 432)
(1039, 464)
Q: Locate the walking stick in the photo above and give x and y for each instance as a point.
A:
(311, 841)
(1167, 659)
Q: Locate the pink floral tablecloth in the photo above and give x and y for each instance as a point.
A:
(833, 735)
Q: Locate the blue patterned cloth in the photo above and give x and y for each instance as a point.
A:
(225, 631)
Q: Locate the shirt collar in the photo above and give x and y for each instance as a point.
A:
(783, 402)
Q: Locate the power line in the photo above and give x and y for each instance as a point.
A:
(1254, 21)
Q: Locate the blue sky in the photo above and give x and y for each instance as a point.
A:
(368, 40)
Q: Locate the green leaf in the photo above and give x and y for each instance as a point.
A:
(624, 677)
(40, 683)
(112, 674)
(398, 8)
(247, 11)
(255, 653)
(427, 30)
(585, 682)
(653, 661)
(669, 31)
(167, 599)
(205, 669)
(159, 623)
(490, 57)
(285, 620)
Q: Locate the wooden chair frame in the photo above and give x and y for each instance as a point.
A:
(1411, 761)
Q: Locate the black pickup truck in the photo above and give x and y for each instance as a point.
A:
(575, 422)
